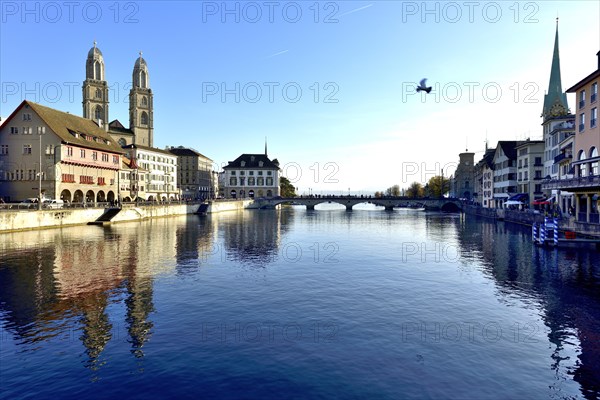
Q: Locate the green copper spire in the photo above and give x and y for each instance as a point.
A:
(555, 101)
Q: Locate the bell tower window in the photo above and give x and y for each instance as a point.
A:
(98, 94)
(144, 118)
(98, 113)
(97, 71)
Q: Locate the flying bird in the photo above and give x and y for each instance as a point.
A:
(423, 86)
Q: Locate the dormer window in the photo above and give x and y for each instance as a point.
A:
(243, 163)
(260, 163)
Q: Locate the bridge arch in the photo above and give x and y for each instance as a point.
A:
(450, 207)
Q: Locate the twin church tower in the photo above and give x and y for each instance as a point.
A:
(141, 109)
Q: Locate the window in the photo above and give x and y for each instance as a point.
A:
(26, 117)
(144, 118)
(582, 99)
(594, 117)
(14, 130)
(581, 122)
(232, 172)
(98, 113)
(69, 151)
(242, 181)
(4, 149)
(269, 181)
(594, 94)
(94, 155)
(232, 181)
(41, 130)
(98, 94)
(115, 159)
(260, 173)
(251, 181)
(260, 181)
(26, 149)
(27, 130)
(104, 157)
(144, 101)
(242, 173)
(82, 153)
(269, 172)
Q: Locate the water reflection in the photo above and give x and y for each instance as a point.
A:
(60, 283)
(564, 284)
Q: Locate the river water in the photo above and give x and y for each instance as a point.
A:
(293, 303)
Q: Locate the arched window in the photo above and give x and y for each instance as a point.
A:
(98, 94)
(582, 166)
(97, 71)
(122, 142)
(144, 118)
(98, 113)
(143, 80)
(594, 164)
(144, 101)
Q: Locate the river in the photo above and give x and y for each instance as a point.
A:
(293, 303)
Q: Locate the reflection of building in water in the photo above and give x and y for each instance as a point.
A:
(563, 283)
(254, 237)
(48, 277)
(195, 243)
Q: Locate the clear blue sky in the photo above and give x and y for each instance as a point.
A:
(364, 128)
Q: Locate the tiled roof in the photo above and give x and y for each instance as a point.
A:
(153, 149)
(251, 161)
(66, 126)
(186, 152)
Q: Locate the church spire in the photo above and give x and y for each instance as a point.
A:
(266, 146)
(555, 100)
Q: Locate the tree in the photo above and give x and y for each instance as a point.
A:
(415, 190)
(435, 186)
(286, 188)
(378, 195)
(393, 191)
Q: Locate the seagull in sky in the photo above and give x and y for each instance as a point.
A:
(423, 86)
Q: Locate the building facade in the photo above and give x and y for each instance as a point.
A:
(56, 155)
(251, 176)
(530, 167)
(196, 180)
(505, 172)
(463, 181)
(158, 168)
(484, 179)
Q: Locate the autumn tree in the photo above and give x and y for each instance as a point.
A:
(415, 190)
(435, 186)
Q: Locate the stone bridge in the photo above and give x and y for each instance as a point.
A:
(434, 204)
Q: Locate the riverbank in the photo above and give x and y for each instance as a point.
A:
(528, 218)
(22, 220)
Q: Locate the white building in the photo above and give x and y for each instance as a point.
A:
(159, 170)
(250, 176)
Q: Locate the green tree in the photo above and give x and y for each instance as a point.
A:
(286, 188)
(435, 186)
(415, 190)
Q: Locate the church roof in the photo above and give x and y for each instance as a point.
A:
(555, 101)
(72, 129)
(94, 51)
(251, 161)
(117, 127)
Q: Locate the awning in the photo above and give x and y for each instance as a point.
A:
(521, 197)
(513, 203)
(544, 201)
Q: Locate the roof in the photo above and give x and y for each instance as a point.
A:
(488, 158)
(147, 148)
(117, 127)
(528, 142)
(186, 152)
(251, 161)
(509, 147)
(555, 101)
(66, 125)
(585, 80)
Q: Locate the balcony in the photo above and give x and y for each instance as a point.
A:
(562, 156)
(573, 183)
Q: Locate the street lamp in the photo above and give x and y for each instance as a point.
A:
(40, 173)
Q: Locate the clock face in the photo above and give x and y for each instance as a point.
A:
(557, 109)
